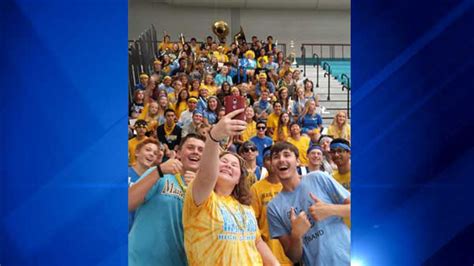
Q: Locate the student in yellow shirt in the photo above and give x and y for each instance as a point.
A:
(281, 133)
(341, 155)
(262, 193)
(340, 127)
(140, 126)
(272, 120)
(300, 141)
(219, 225)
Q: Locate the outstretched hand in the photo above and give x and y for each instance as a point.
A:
(228, 126)
(319, 210)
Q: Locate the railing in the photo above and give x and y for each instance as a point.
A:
(348, 100)
(327, 50)
(327, 67)
(344, 75)
(317, 68)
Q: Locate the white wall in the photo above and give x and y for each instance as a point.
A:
(308, 26)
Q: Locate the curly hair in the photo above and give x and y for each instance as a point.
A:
(241, 191)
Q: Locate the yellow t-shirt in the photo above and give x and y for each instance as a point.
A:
(284, 136)
(272, 121)
(211, 89)
(181, 107)
(250, 131)
(339, 133)
(132, 144)
(220, 231)
(345, 181)
(302, 145)
(262, 193)
(193, 93)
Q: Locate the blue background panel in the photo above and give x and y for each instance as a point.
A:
(63, 132)
(412, 156)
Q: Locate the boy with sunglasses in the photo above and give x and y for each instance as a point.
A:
(261, 141)
(248, 151)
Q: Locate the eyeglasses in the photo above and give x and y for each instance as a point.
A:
(337, 151)
(260, 128)
(247, 149)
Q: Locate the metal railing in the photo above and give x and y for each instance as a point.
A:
(317, 68)
(327, 67)
(347, 86)
(324, 51)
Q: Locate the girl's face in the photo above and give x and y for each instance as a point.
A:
(183, 94)
(285, 118)
(209, 79)
(284, 94)
(236, 92)
(341, 118)
(249, 113)
(212, 104)
(163, 102)
(140, 95)
(203, 93)
(196, 84)
(311, 106)
(308, 85)
(153, 108)
(300, 91)
(229, 169)
(226, 87)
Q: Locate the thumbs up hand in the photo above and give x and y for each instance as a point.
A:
(319, 210)
(299, 223)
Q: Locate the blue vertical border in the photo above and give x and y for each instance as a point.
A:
(413, 128)
(63, 132)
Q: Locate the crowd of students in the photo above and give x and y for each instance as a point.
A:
(208, 189)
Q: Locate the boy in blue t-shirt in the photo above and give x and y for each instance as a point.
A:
(261, 141)
(306, 216)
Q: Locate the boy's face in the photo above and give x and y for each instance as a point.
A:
(284, 164)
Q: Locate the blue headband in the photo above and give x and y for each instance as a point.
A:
(340, 145)
(314, 147)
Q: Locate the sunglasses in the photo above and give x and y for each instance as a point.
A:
(260, 128)
(249, 149)
(337, 151)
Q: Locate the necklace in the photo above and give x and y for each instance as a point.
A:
(181, 182)
(242, 213)
(168, 130)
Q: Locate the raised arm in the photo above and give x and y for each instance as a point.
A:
(138, 191)
(206, 178)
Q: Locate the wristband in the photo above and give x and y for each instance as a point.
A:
(212, 138)
(158, 169)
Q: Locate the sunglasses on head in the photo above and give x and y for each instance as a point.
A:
(259, 128)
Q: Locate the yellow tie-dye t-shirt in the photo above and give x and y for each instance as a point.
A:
(262, 193)
(216, 232)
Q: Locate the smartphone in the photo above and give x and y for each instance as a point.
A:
(233, 103)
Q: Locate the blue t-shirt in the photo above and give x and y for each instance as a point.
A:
(261, 144)
(210, 116)
(132, 178)
(310, 122)
(327, 242)
(156, 237)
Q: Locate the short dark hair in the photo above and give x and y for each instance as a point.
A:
(169, 110)
(261, 122)
(284, 145)
(295, 123)
(191, 136)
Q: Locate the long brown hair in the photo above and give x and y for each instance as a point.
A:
(241, 191)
